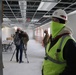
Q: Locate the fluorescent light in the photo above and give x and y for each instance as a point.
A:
(15, 28)
(46, 6)
(34, 20)
(47, 16)
(6, 19)
(40, 6)
(37, 23)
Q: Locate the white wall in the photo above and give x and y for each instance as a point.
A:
(30, 33)
(72, 23)
(6, 32)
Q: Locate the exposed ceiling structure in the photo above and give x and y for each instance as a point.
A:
(28, 12)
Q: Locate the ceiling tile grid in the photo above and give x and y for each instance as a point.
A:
(13, 10)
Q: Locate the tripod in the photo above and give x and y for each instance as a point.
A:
(12, 55)
(24, 50)
(26, 55)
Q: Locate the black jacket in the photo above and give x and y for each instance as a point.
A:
(20, 36)
(69, 54)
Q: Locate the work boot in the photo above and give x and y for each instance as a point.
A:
(21, 61)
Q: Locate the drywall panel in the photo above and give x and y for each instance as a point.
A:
(72, 23)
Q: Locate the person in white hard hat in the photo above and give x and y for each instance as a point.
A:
(61, 50)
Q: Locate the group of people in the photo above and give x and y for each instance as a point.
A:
(60, 48)
(21, 39)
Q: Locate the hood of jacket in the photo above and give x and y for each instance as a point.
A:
(66, 30)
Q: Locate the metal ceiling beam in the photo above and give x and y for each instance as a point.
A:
(37, 12)
(21, 9)
(20, 5)
(60, 2)
(10, 12)
(5, 15)
(69, 5)
(48, 11)
(40, 1)
(32, 0)
(46, 20)
(31, 13)
(64, 9)
(34, 13)
(65, 2)
(10, 8)
(26, 12)
(12, 15)
(25, 0)
(40, 12)
(37, 5)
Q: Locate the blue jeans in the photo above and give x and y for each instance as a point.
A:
(19, 50)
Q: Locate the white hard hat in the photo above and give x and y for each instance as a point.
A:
(59, 13)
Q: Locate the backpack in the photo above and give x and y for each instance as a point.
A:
(17, 39)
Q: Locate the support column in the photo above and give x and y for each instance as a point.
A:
(1, 19)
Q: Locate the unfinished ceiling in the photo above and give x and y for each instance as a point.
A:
(27, 12)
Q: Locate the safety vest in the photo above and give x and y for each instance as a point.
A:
(55, 64)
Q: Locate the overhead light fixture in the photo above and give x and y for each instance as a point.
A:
(34, 20)
(38, 23)
(15, 27)
(46, 16)
(6, 19)
(46, 6)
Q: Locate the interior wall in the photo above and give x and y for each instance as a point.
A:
(30, 33)
(7, 32)
(72, 23)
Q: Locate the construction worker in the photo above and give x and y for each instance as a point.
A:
(61, 50)
(18, 40)
(46, 38)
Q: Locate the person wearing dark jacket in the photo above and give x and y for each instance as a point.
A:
(19, 45)
(46, 38)
(61, 50)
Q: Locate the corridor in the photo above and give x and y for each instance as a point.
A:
(35, 54)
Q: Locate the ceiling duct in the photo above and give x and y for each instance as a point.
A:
(23, 7)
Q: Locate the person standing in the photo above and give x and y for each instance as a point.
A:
(25, 40)
(45, 39)
(61, 52)
(18, 39)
